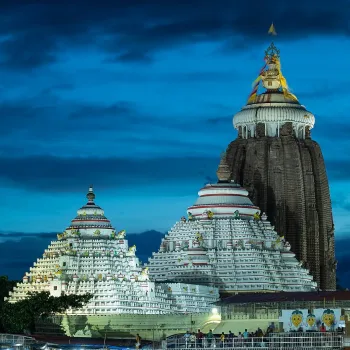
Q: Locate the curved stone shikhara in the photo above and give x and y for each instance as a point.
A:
(275, 158)
(90, 257)
(231, 249)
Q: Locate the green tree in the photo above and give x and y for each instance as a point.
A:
(20, 316)
(5, 287)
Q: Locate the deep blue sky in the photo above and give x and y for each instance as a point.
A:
(137, 97)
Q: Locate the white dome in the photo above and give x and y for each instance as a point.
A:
(91, 220)
(223, 200)
(272, 112)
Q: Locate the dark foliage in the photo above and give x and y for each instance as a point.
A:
(20, 317)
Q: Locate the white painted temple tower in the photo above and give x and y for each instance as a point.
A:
(90, 257)
(226, 243)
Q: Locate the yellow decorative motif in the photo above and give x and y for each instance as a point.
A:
(328, 318)
(132, 249)
(121, 234)
(256, 216)
(210, 214)
(296, 318)
(311, 320)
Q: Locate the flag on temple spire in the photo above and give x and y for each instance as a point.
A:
(272, 30)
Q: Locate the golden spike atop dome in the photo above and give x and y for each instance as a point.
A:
(91, 195)
(223, 173)
(272, 30)
(271, 75)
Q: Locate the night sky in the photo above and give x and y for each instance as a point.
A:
(136, 97)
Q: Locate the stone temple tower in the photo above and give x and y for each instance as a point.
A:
(275, 158)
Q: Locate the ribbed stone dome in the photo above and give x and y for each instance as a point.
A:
(265, 114)
(273, 108)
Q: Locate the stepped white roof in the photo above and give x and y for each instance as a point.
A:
(225, 199)
(225, 242)
(90, 257)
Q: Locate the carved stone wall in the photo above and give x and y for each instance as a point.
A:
(286, 177)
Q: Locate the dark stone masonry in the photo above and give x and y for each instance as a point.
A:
(286, 177)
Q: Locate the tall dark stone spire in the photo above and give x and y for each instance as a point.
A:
(275, 158)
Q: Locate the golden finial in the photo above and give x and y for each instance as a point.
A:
(91, 196)
(272, 30)
(272, 52)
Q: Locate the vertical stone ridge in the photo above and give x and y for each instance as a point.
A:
(326, 225)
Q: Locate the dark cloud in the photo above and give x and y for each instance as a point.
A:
(219, 120)
(27, 52)
(41, 125)
(46, 173)
(336, 130)
(130, 57)
(342, 254)
(134, 30)
(323, 90)
(338, 170)
(17, 256)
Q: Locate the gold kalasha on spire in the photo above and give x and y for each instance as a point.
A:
(271, 75)
(272, 30)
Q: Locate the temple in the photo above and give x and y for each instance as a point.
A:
(227, 243)
(283, 169)
(90, 257)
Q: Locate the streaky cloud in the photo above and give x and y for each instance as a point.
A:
(131, 31)
(50, 174)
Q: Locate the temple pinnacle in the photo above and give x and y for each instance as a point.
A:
(272, 30)
(223, 173)
(91, 195)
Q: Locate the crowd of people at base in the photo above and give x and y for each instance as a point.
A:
(199, 339)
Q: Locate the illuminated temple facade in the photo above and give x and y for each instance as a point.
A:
(227, 243)
(90, 257)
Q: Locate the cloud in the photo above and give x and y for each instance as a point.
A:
(134, 30)
(50, 174)
(22, 52)
(13, 235)
(343, 272)
(338, 170)
(219, 120)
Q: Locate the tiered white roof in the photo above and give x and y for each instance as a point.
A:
(226, 243)
(89, 256)
(275, 106)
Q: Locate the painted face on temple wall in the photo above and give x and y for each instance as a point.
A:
(311, 320)
(328, 317)
(296, 318)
